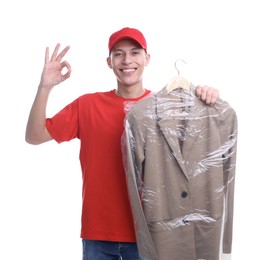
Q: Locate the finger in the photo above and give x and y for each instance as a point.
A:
(54, 54)
(198, 92)
(205, 95)
(62, 54)
(214, 96)
(47, 55)
(201, 92)
(66, 65)
(211, 96)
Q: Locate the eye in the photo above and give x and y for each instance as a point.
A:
(134, 53)
(116, 54)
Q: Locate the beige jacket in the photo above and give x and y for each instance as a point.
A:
(180, 158)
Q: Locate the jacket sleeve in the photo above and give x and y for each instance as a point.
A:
(228, 133)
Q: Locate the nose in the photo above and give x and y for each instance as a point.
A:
(127, 58)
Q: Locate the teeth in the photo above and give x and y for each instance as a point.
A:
(128, 70)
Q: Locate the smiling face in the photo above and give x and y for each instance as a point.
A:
(128, 60)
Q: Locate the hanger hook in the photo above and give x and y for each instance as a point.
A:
(175, 65)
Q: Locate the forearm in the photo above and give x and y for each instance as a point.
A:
(36, 131)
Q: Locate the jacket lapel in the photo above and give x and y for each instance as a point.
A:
(179, 119)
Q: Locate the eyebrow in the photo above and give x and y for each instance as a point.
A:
(133, 49)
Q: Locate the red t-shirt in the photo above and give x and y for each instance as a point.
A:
(97, 120)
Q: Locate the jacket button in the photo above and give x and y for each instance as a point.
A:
(184, 194)
(185, 221)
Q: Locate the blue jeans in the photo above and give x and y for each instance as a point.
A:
(107, 250)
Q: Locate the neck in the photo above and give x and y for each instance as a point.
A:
(130, 92)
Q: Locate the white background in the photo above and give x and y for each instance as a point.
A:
(40, 186)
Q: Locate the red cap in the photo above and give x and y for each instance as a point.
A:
(127, 33)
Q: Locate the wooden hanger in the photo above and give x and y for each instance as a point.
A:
(179, 81)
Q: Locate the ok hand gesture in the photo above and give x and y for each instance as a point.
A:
(52, 72)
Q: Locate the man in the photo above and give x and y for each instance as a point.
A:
(97, 120)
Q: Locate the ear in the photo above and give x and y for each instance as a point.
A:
(147, 59)
(108, 60)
